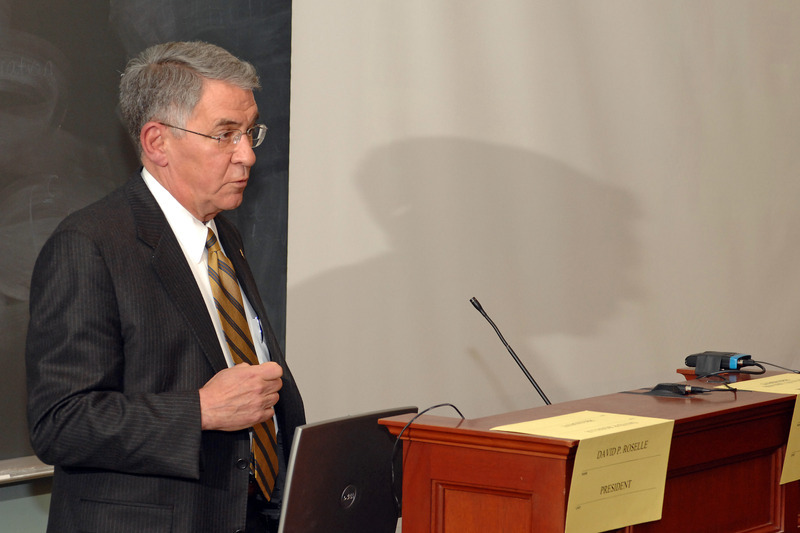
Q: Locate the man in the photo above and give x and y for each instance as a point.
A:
(137, 393)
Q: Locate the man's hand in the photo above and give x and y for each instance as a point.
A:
(240, 397)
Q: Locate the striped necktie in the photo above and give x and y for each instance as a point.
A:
(228, 300)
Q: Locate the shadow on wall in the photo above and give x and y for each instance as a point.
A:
(533, 239)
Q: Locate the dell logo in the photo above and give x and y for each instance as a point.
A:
(348, 497)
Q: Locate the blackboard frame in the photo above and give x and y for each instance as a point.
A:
(60, 63)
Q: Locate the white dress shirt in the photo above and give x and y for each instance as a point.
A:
(191, 234)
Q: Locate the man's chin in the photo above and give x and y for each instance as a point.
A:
(234, 201)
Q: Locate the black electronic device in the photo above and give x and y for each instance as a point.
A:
(710, 362)
(339, 477)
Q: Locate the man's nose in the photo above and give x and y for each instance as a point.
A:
(243, 152)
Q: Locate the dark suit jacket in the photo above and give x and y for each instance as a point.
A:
(119, 343)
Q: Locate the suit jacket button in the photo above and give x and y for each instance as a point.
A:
(242, 464)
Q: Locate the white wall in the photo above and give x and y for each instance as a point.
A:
(616, 181)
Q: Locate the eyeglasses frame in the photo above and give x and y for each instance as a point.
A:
(235, 140)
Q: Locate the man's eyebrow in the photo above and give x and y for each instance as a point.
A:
(229, 122)
(225, 122)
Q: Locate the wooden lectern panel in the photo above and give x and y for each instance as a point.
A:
(744, 495)
(454, 476)
(723, 473)
(480, 509)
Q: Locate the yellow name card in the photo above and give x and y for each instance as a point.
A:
(620, 466)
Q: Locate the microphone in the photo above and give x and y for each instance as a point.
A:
(477, 305)
(710, 362)
(678, 389)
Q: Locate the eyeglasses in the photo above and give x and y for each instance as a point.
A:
(230, 138)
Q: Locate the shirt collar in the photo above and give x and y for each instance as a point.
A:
(190, 232)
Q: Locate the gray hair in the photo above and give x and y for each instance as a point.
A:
(165, 82)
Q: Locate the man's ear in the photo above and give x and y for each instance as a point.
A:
(154, 143)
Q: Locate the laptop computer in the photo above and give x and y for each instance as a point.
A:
(339, 477)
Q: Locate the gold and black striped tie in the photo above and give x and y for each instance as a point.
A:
(228, 300)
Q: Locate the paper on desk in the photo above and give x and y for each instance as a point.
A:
(620, 466)
(782, 384)
(779, 383)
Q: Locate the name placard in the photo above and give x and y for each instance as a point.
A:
(620, 466)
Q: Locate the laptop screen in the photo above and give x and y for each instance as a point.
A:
(339, 476)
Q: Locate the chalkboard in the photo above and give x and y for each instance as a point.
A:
(62, 144)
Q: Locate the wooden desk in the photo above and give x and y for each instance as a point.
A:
(733, 377)
(723, 473)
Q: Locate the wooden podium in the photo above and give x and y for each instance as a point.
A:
(723, 474)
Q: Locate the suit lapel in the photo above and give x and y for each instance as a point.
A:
(170, 265)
